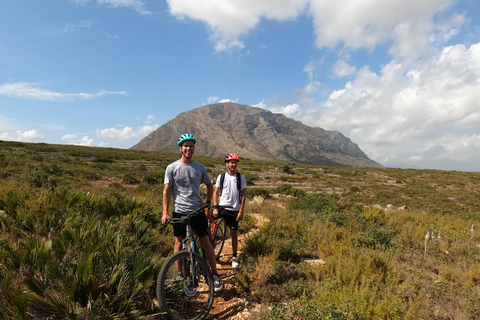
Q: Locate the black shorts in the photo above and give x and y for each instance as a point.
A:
(199, 225)
(230, 218)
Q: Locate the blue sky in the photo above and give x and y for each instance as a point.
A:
(399, 78)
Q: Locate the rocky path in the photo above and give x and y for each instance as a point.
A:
(231, 303)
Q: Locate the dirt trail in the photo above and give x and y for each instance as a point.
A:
(231, 303)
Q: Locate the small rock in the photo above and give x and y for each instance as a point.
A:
(313, 262)
(258, 200)
(389, 207)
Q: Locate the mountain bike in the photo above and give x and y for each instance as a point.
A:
(217, 231)
(185, 287)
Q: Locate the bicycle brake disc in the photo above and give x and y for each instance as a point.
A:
(189, 289)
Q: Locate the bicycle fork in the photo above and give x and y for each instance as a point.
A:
(189, 267)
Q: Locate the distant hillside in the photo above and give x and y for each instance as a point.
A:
(257, 134)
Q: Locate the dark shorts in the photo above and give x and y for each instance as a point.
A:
(199, 225)
(230, 218)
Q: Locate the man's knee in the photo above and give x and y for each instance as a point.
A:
(204, 241)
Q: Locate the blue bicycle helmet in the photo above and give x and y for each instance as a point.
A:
(186, 137)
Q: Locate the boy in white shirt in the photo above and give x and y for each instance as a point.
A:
(231, 190)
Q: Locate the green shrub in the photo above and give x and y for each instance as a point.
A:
(250, 178)
(130, 178)
(376, 238)
(154, 178)
(247, 224)
(103, 159)
(287, 169)
(289, 190)
(36, 178)
(354, 189)
(140, 167)
(317, 203)
(252, 192)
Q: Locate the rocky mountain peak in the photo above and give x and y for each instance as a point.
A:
(258, 134)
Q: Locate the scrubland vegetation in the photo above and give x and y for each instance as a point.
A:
(81, 237)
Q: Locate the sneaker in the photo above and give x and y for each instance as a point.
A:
(217, 282)
(234, 262)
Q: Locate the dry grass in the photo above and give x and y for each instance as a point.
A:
(376, 265)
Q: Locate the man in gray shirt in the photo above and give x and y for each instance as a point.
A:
(182, 181)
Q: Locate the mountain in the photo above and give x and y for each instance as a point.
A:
(258, 134)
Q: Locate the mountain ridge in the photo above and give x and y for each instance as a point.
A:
(258, 134)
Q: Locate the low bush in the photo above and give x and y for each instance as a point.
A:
(252, 192)
(154, 178)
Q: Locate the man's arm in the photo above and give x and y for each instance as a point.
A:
(243, 196)
(209, 191)
(167, 194)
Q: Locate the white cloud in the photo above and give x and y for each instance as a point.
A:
(212, 99)
(368, 23)
(228, 21)
(289, 110)
(427, 112)
(126, 133)
(449, 27)
(342, 69)
(24, 136)
(262, 105)
(353, 23)
(149, 119)
(74, 26)
(10, 132)
(73, 139)
(415, 158)
(69, 137)
(227, 100)
(137, 5)
(32, 91)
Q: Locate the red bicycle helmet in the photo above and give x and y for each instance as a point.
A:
(232, 156)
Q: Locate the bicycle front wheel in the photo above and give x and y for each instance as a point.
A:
(218, 234)
(185, 295)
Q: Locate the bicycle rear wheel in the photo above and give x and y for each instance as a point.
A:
(218, 234)
(181, 296)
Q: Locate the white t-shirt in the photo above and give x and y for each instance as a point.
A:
(230, 193)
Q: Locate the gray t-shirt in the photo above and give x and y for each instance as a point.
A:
(185, 180)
